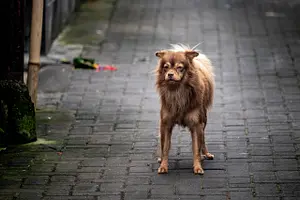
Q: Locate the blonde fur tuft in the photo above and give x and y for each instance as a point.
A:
(204, 62)
(183, 47)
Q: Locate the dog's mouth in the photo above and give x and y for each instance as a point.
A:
(172, 80)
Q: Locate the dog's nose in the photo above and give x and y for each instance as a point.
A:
(170, 75)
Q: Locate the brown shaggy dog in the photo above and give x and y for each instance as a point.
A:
(185, 83)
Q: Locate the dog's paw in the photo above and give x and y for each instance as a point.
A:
(209, 156)
(159, 160)
(162, 170)
(198, 170)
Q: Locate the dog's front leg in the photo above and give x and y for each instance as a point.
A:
(165, 143)
(197, 145)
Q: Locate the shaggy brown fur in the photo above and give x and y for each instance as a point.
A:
(185, 83)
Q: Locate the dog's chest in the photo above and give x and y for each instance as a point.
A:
(177, 104)
(177, 100)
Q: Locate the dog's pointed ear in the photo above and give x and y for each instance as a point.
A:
(160, 54)
(191, 54)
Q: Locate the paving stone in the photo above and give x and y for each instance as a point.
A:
(89, 170)
(88, 176)
(63, 179)
(238, 169)
(141, 192)
(241, 195)
(55, 197)
(162, 190)
(107, 197)
(111, 187)
(288, 176)
(58, 190)
(265, 190)
(30, 195)
(36, 180)
(261, 177)
(214, 182)
(239, 182)
(87, 189)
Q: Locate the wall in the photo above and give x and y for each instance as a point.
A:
(56, 15)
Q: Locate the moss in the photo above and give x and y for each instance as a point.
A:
(84, 29)
(2, 149)
(17, 113)
(3, 120)
(26, 124)
(40, 141)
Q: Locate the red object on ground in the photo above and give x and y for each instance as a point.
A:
(106, 67)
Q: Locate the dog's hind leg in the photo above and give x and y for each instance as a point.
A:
(205, 152)
(158, 150)
(197, 145)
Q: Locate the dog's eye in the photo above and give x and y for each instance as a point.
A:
(166, 66)
(180, 68)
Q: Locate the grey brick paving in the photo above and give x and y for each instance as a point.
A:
(106, 150)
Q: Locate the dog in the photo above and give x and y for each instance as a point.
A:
(185, 84)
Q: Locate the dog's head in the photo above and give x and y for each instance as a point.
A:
(174, 65)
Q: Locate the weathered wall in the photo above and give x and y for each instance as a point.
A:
(56, 15)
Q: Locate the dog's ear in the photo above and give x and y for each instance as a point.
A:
(160, 54)
(191, 54)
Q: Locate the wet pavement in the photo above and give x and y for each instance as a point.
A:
(98, 137)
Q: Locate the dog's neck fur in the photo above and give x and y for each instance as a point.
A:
(176, 98)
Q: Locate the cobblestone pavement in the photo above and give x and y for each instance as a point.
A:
(106, 123)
